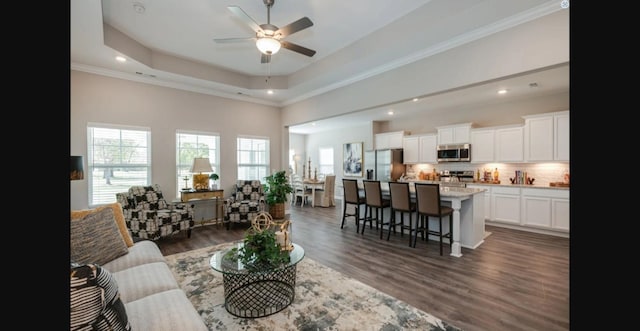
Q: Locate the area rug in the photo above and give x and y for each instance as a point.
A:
(325, 299)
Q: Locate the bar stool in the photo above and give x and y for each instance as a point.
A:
(374, 200)
(401, 202)
(428, 204)
(352, 197)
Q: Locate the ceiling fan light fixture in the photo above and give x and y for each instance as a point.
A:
(268, 45)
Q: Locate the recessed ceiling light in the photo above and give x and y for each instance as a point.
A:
(270, 92)
(415, 99)
(503, 91)
(390, 112)
(121, 58)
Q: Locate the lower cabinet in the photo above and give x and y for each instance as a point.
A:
(505, 204)
(535, 209)
(548, 209)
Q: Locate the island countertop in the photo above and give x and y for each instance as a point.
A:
(445, 191)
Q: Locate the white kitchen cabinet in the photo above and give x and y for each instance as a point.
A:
(389, 140)
(546, 137)
(411, 149)
(544, 208)
(454, 134)
(509, 144)
(482, 145)
(487, 199)
(420, 149)
(505, 204)
(428, 148)
(561, 136)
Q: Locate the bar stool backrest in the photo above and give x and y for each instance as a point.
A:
(350, 187)
(373, 193)
(400, 196)
(428, 198)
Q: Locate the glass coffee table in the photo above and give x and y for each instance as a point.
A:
(252, 294)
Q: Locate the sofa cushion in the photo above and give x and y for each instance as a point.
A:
(168, 310)
(142, 252)
(144, 280)
(95, 300)
(95, 238)
(118, 216)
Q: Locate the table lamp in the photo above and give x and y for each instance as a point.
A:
(201, 181)
(77, 167)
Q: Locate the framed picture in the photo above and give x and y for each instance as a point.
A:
(352, 159)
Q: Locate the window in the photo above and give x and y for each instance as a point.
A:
(325, 160)
(253, 158)
(118, 157)
(190, 145)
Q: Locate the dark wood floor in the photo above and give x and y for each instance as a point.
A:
(516, 280)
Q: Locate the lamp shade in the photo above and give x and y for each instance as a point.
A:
(77, 168)
(268, 45)
(201, 164)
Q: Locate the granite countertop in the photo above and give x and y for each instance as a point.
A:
(445, 191)
(545, 186)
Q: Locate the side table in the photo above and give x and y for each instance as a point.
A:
(199, 198)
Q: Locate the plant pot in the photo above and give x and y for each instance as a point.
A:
(277, 211)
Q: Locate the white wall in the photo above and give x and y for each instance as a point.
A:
(101, 99)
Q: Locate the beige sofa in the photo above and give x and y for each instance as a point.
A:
(150, 293)
(118, 284)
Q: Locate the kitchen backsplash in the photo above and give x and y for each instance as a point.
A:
(544, 173)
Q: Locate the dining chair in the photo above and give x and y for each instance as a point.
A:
(374, 200)
(352, 198)
(300, 191)
(324, 197)
(429, 205)
(400, 197)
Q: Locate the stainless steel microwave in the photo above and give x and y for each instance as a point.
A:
(454, 153)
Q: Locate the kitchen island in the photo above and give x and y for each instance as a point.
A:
(468, 214)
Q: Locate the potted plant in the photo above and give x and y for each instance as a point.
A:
(260, 249)
(214, 177)
(276, 189)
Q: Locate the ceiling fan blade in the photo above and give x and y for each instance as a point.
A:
(294, 27)
(245, 18)
(265, 58)
(232, 40)
(297, 48)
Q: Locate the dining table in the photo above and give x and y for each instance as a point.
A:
(313, 184)
(468, 213)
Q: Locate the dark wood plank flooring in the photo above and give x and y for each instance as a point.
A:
(516, 280)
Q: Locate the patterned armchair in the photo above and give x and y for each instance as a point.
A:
(149, 216)
(245, 204)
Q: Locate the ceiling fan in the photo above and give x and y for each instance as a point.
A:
(268, 36)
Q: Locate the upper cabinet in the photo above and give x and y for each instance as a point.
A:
(546, 137)
(411, 149)
(454, 134)
(420, 149)
(482, 145)
(389, 140)
(509, 144)
(561, 136)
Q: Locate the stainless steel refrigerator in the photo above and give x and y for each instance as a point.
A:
(384, 165)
